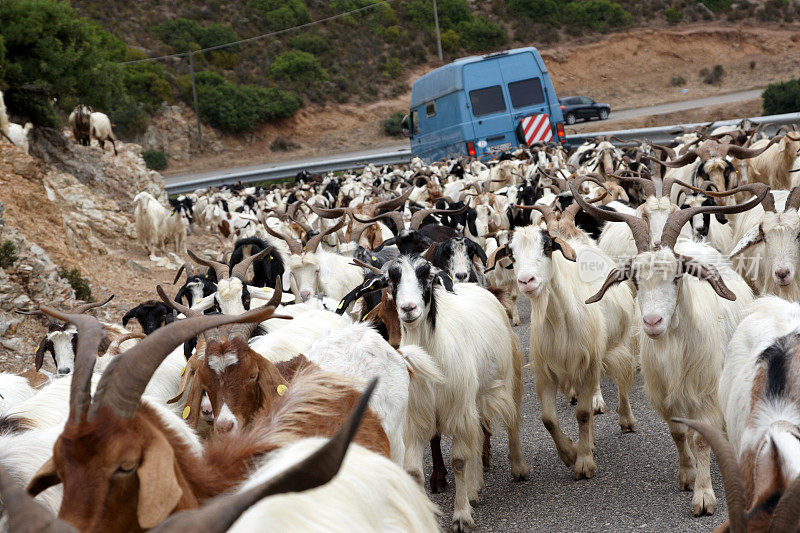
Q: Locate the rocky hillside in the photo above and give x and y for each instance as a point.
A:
(68, 207)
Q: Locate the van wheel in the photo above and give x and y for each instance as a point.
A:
(570, 119)
(603, 114)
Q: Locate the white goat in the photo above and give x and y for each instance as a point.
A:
(100, 127)
(685, 328)
(465, 330)
(15, 133)
(150, 218)
(572, 343)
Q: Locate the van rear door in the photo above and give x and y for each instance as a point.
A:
(491, 119)
(527, 95)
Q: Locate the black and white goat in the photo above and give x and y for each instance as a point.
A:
(150, 315)
(461, 259)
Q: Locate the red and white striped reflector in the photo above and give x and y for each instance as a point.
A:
(536, 129)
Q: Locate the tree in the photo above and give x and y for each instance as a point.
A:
(48, 52)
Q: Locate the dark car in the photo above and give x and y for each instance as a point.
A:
(582, 107)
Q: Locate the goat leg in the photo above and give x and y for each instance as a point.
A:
(438, 478)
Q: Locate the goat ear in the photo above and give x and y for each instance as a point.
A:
(496, 256)
(372, 284)
(44, 478)
(44, 346)
(133, 312)
(270, 381)
(476, 250)
(159, 491)
(617, 275)
(566, 249)
(707, 273)
(428, 255)
(444, 279)
(751, 238)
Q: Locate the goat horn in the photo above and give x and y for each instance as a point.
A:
(317, 469)
(220, 268)
(189, 272)
(666, 149)
(373, 269)
(239, 270)
(419, 216)
(90, 335)
(294, 245)
(676, 220)
(729, 467)
(746, 153)
(118, 342)
(313, 243)
(548, 213)
(24, 513)
(793, 201)
(81, 309)
(123, 383)
(638, 225)
(787, 512)
(683, 160)
(394, 203)
(245, 331)
(187, 311)
(336, 212)
(648, 185)
(394, 215)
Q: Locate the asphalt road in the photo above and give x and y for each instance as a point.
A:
(635, 488)
(176, 179)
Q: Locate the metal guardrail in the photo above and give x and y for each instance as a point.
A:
(659, 135)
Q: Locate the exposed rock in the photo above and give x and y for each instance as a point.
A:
(173, 129)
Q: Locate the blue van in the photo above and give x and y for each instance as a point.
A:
(483, 104)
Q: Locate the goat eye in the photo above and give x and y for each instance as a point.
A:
(252, 377)
(126, 468)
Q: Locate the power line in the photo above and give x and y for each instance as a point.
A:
(258, 37)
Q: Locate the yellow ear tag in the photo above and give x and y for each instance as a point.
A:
(183, 370)
(340, 304)
(282, 390)
(186, 411)
(374, 258)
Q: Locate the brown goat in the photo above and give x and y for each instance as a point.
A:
(125, 466)
(25, 515)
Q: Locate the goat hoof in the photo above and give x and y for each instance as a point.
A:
(628, 426)
(573, 400)
(463, 525)
(703, 503)
(585, 467)
(568, 455)
(522, 473)
(438, 483)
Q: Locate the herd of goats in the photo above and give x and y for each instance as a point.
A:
(377, 307)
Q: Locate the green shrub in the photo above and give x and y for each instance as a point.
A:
(155, 159)
(677, 81)
(717, 5)
(311, 43)
(713, 76)
(598, 15)
(673, 15)
(8, 254)
(298, 66)
(148, 82)
(480, 34)
(781, 97)
(391, 68)
(128, 117)
(391, 125)
(450, 41)
(240, 107)
(184, 34)
(48, 52)
(203, 78)
(81, 287)
(541, 11)
(451, 13)
(278, 14)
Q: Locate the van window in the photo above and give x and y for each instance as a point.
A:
(487, 101)
(414, 123)
(430, 109)
(526, 93)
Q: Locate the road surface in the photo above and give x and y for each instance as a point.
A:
(635, 488)
(176, 179)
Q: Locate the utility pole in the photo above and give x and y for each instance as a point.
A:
(438, 36)
(196, 107)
